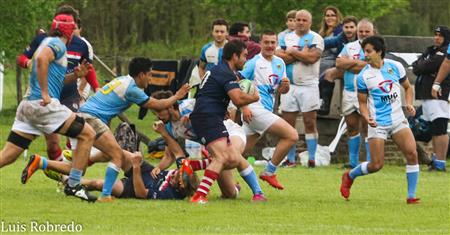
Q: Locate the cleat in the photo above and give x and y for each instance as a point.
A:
(32, 166)
(198, 199)
(106, 199)
(53, 175)
(272, 180)
(288, 164)
(311, 163)
(259, 198)
(413, 201)
(346, 185)
(79, 191)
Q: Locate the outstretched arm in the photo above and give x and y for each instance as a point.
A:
(138, 183)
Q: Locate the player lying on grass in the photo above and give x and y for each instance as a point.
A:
(139, 182)
(175, 125)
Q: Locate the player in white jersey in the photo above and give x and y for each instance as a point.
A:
(380, 104)
(290, 24)
(268, 73)
(351, 60)
(301, 52)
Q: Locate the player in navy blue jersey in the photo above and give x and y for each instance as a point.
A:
(217, 88)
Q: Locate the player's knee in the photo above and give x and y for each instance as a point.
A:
(18, 140)
(439, 127)
(293, 136)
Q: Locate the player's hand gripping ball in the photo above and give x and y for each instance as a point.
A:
(247, 86)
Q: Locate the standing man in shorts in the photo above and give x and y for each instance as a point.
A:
(436, 111)
(351, 60)
(41, 112)
(380, 105)
(217, 88)
(301, 51)
(268, 73)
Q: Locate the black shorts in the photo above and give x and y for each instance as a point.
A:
(72, 102)
(208, 127)
(128, 186)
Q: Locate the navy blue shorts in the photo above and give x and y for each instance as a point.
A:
(208, 127)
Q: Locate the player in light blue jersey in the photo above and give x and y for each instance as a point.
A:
(290, 24)
(380, 105)
(351, 60)
(301, 51)
(212, 52)
(113, 99)
(268, 73)
(41, 112)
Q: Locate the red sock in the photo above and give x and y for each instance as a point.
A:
(199, 164)
(207, 180)
(55, 155)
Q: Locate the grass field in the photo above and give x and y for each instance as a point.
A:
(310, 203)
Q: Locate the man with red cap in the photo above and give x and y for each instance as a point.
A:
(77, 51)
(41, 111)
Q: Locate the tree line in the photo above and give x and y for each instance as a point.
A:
(178, 28)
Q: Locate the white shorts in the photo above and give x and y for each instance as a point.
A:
(434, 109)
(300, 98)
(262, 119)
(35, 119)
(349, 102)
(383, 132)
(235, 130)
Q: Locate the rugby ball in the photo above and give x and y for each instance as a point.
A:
(247, 86)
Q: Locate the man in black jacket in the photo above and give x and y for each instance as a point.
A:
(436, 111)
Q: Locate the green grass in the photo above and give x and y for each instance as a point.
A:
(310, 203)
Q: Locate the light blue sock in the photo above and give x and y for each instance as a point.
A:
(412, 176)
(366, 141)
(439, 164)
(311, 145)
(44, 163)
(250, 178)
(74, 177)
(291, 154)
(110, 178)
(353, 149)
(271, 168)
(359, 170)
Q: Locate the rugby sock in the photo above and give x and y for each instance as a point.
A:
(74, 177)
(353, 149)
(207, 180)
(44, 163)
(199, 164)
(110, 178)
(412, 176)
(439, 164)
(359, 170)
(366, 141)
(291, 154)
(311, 145)
(248, 174)
(271, 168)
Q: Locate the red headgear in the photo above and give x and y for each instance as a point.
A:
(64, 24)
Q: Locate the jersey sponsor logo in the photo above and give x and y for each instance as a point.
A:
(274, 79)
(386, 86)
